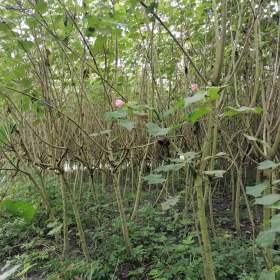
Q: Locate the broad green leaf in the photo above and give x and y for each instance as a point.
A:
(106, 131)
(231, 111)
(268, 275)
(180, 104)
(268, 199)
(116, 115)
(213, 93)
(187, 157)
(41, 6)
(31, 21)
(99, 44)
(55, 230)
(55, 227)
(169, 167)
(25, 103)
(155, 130)
(26, 45)
(176, 126)
(104, 24)
(267, 164)
(194, 99)
(26, 83)
(275, 205)
(133, 105)
(139, 113)
(153, 179)
(276, 182)
(3, 135)
(257, 190)
(170, 202)
(198, 114)
(166, 114)
(10, 272)
(215, 173)
(220, 154)
(266, 238)
(19, 208)
(275, 222)
(52, 224)
(5, 27)
(252, 138)
(21, 69)
(93, 20)
(133, 3)
(90, 32)
(129, 125)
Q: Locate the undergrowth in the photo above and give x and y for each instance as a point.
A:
(165, 246)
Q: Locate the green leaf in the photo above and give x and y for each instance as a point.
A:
(267, 275)
(25, 102)
(194, 99)
(31, 21)
(275, 222)
(133, 3)
(155, 130)
(5, 27)
(213, 93)
(129, 125)
(275, 205)
(19, 208)
(26, 83)
(266, 238)
(21, 69)
(215, 173)
(198, 114)
(231, 111)
(153, 179)
(276, 182)
(166, 114)
(267, 164)
(139, 113)
(26, 45)
(187, 157)
(106, 131)
(220, 154)
(55, 230)
(41, 6)
(169, 167)
(257, 190)
(252, 138)
(99, 44)
(170, 202)
(115, 115)
(180, 104)
(93, 21)
(3, 135)
(268, 199)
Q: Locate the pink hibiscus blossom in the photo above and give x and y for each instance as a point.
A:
(194, 87)
(119, 103)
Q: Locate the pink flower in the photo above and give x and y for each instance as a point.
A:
(194, 87)
(119, 103)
